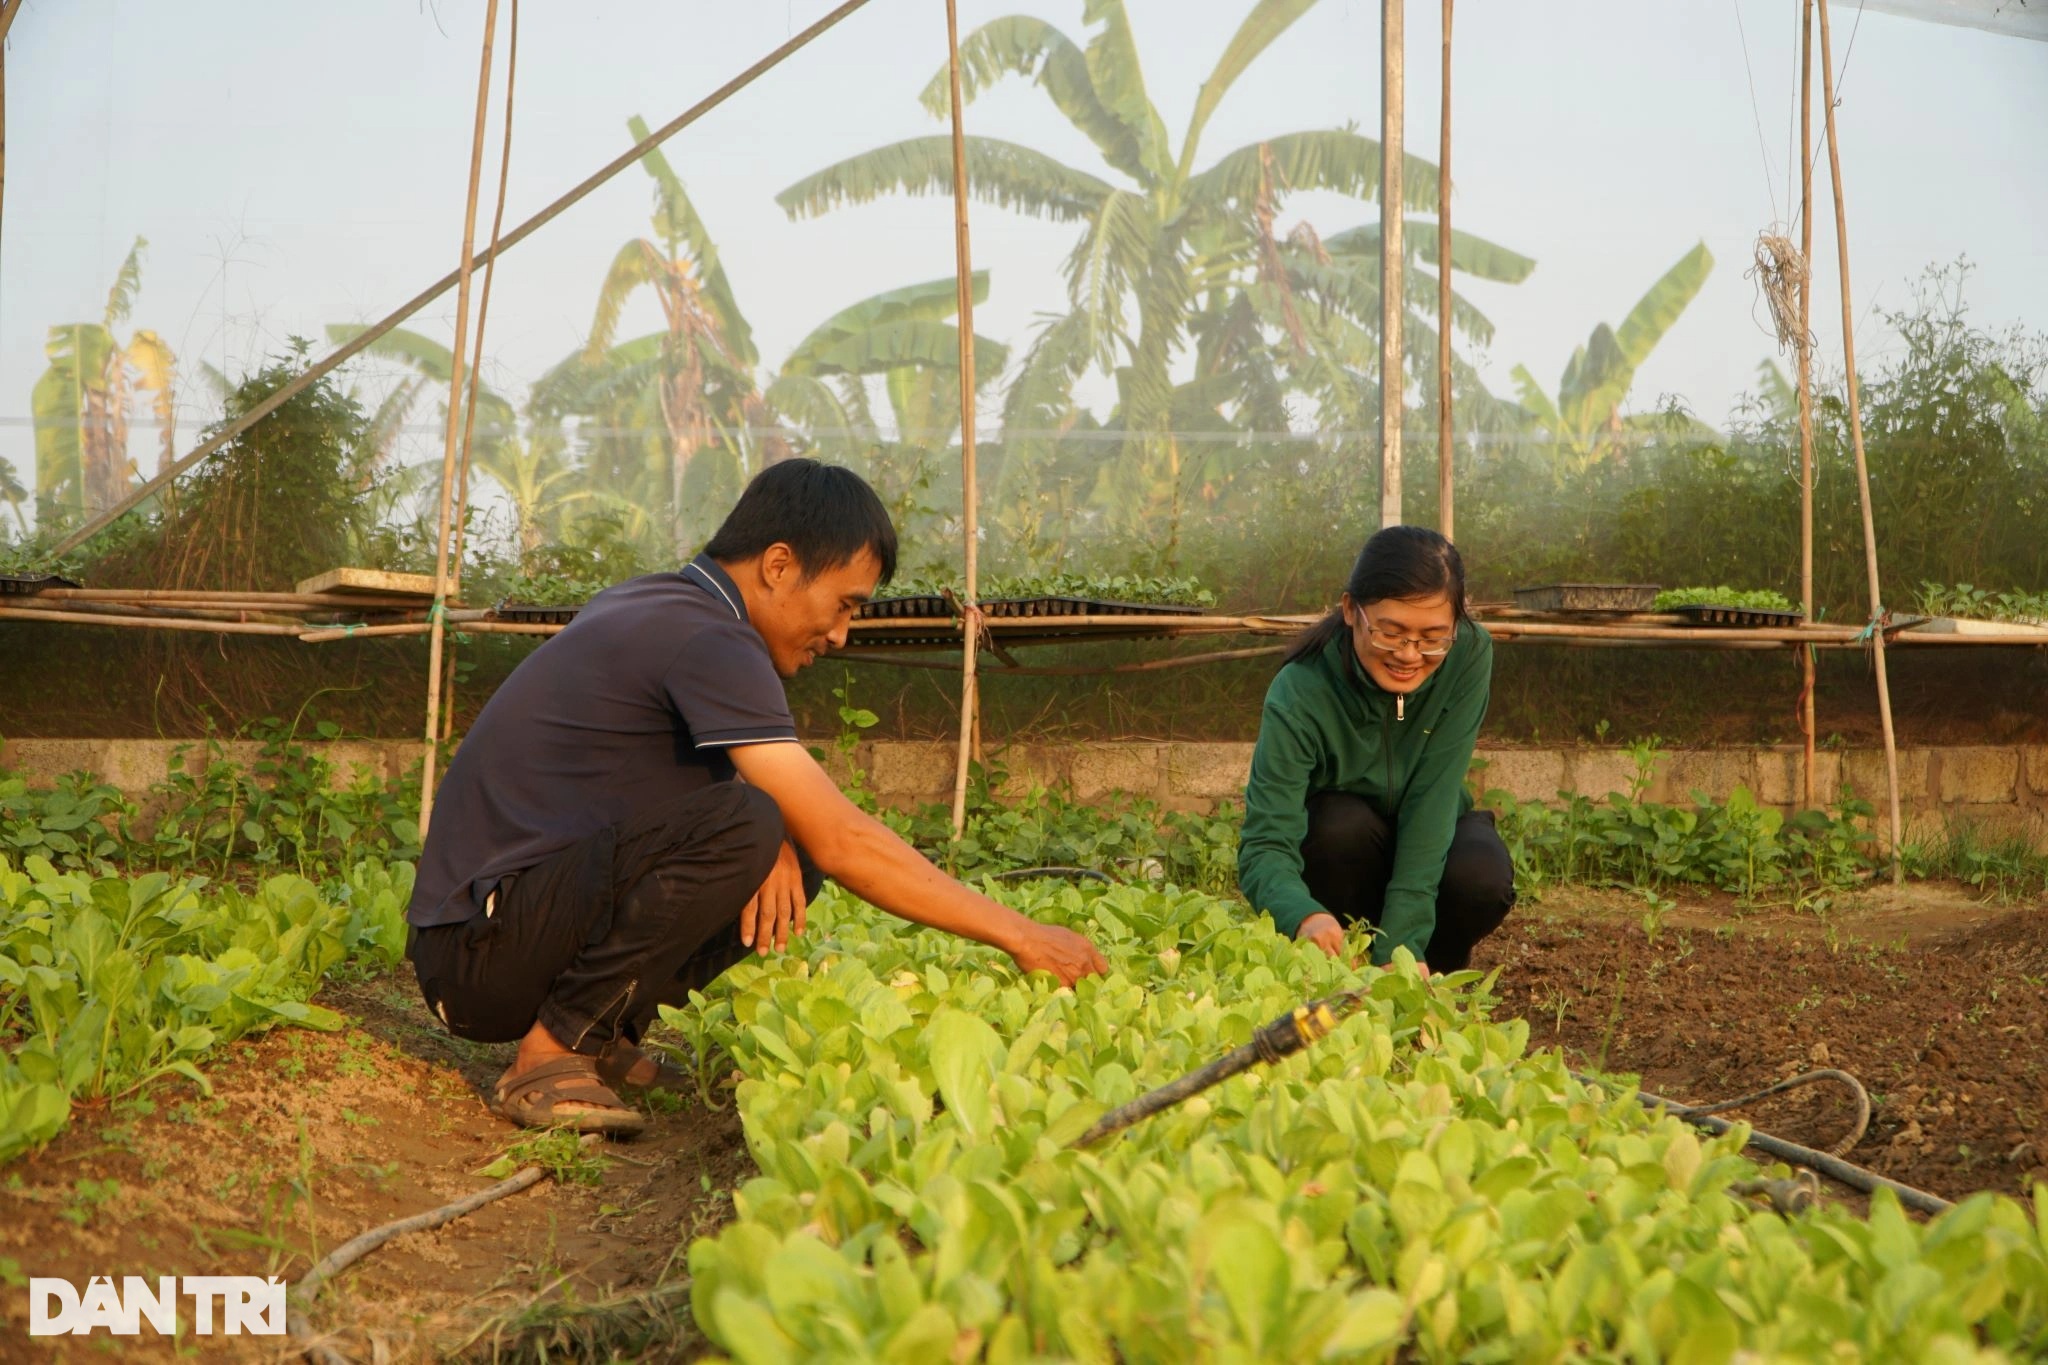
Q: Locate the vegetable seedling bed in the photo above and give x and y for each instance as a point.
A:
(1081, 606)
(919, 606)
(1741, 617)
(27, 584)
(535, 613)
(1587, 597)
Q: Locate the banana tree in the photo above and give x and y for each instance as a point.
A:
(1584, 420)
(432, 367)
(1156, 241)
(904, 341)
(695, 376)
(15, 495)
(80, 405)
(530, 469)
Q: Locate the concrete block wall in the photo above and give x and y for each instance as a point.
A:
(2002, 787)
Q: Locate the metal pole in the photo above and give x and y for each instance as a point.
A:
(362, 341)
(450, 446)
(1884, 691)
(1806, 663)
(1391, 210)
(1447, 520)
(963, 267)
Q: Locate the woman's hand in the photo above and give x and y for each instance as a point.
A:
(1323, 931)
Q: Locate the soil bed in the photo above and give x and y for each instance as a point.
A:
(1936, 1002)
(309, 1139)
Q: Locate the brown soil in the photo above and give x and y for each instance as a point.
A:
(309, 1139)
(1935, 1001)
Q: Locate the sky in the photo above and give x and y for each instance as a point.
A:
(297, 165)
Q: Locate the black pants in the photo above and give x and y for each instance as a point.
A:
(594, 940)
(1348, 858)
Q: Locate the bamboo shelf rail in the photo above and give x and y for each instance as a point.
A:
(326, 618)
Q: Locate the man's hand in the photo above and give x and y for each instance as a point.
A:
(867, 858)
(1062, 952)
(777, 909)
(1323, 931)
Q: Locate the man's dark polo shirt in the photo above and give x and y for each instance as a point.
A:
(636, 701)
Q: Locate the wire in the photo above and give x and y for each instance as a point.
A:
(1756, 110)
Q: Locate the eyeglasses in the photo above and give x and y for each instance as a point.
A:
(1392, 642)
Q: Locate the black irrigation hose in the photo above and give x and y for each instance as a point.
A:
(1288, 1034)
(311, 1345)
(1833, 1167)
(1072, 873)
(1305, 1024)
(1841, 1078)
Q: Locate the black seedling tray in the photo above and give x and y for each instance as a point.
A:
(1740, 617)
(527, 611)
(1012, 607)
(922, 606)
(1568, 597)
(27, 584)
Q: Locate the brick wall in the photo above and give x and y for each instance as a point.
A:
(2002, 787)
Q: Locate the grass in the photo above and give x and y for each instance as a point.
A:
(554, 1326)
(2007, 868)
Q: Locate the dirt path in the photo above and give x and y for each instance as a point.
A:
(309, 1139)
(1938, 1003)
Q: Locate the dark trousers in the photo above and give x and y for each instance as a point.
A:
(1348, 858)
(594, 940)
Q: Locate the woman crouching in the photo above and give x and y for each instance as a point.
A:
(1356, 811)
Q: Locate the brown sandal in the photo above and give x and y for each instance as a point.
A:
(621, 1057)
(530, 1098)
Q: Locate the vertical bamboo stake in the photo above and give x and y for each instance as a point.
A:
(1443, 297)
(963, 265)
(1392, 95)
(1806, 661)
(438, 624)
(7, 9)
(476, 364)
(1884, 691)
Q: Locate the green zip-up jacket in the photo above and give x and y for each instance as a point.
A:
(1328, 727)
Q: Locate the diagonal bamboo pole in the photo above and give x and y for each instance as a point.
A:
(963, 268)
(7, 9)
(476, 363)
(1392, 211)
(1446, 518)
(1806, 658)
(437, 633)
(1884, 691)
(362, 341)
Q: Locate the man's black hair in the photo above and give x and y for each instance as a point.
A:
(825, 513)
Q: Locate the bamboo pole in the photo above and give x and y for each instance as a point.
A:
(1392, 210)
(1807, 727)
(7, 10)
(436, 635)
(148, 622)
(328, 363)
(1447, 521)
(963, 270)
(476, 363)
(1884, 691)
(203, 597)
(330, 634)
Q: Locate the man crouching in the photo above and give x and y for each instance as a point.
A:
(632, 814)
